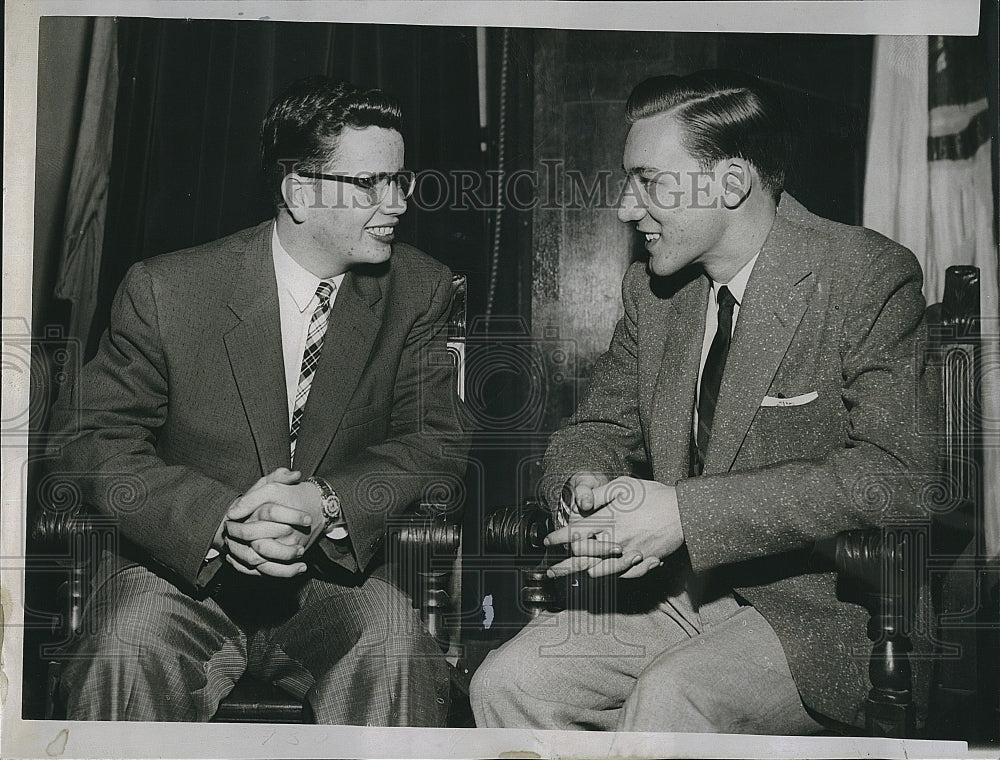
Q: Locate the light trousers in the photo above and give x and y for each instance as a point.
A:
(666, 668)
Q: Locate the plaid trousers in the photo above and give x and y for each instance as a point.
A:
(358, 654)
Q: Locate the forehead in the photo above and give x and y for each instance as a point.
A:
(371, 149)
(655, 142)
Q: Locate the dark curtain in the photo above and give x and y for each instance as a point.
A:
(185, 167)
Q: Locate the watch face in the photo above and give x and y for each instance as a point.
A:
(331, 506)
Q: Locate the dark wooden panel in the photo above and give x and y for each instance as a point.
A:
(580, 250)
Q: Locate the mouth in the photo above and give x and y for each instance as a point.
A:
(651, 237)
(383, 233)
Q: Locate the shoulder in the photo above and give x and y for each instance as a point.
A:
(408, 261)
(202, 274)
(846, 251)
(216, 256)
(412, 275)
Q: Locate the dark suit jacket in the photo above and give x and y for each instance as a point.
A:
(184, 406)
(829, 309)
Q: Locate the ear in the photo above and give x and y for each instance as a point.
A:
(737, 181)
(297, 194)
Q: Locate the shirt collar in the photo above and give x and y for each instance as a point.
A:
(293, 278)
(738, 285)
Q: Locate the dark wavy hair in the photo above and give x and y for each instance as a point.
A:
(725, 114)
(301, 127)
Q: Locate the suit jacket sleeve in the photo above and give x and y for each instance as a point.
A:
(423, 455)
(110, 417)
(874, 477)
(606, 435)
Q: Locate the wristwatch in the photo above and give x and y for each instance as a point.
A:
(331, 508)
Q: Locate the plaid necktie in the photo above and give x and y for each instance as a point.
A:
(310, 357)
(711, 378)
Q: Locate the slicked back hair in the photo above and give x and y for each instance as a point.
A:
(301, 128)
(725, 114)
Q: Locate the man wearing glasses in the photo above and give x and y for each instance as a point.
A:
(275, 396)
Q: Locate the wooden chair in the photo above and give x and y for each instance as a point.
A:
(423, 545)
(884, 569)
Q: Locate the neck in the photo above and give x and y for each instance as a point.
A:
(744, 238)
(304, 250)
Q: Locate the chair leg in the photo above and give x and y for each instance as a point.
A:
(53, 705)
(889, 709)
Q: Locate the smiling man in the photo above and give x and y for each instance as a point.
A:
(274, 398)
(764, 377)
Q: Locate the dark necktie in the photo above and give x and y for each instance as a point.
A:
(310, 357)
(711, 378)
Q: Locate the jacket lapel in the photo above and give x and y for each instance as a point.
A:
(353, 325)
(682, 329)
(255, 354)
(774, 303)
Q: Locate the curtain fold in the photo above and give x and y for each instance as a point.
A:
(929, 185)
(86, 208)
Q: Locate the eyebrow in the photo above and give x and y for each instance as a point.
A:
(642, 170)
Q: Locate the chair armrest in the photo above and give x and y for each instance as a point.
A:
(423, 546)
(518, 530)
(55, 529)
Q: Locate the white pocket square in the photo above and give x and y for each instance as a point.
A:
(805, 398)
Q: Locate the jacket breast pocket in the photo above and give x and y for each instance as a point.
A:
(365, 415)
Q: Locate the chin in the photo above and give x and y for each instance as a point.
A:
(661, 268)
(378, 255)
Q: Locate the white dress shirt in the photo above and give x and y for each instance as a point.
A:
(296, 303)
(737, 286)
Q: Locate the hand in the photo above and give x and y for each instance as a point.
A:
(578, 495)
(271, 526)
(634, 525)
(280, 475)
(283, 475)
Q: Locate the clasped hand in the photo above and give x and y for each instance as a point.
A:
(623, 527)
(269, 528)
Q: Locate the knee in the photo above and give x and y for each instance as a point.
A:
(397, 629)
(670, 701)
(502, 679)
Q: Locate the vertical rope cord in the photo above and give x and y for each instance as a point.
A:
(501, 155)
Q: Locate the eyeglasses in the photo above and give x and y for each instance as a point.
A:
(376, 185)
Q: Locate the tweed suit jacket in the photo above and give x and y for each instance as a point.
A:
(184, 406)
(831, 322)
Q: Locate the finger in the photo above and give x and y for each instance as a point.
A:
(251, 531)
(280, 570)
(616, 566)
(637, 571)
(591, 547)
(252, 499)
(558, 536)
(571, 565)
(621, 490)
(279, 513)
(583, 497)
(579, 529)
(240, 566)
(244, 553)
(277, 552)
(243, 507)
(284, 476)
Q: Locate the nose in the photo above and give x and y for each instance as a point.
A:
(631, 207)
(394, 204)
